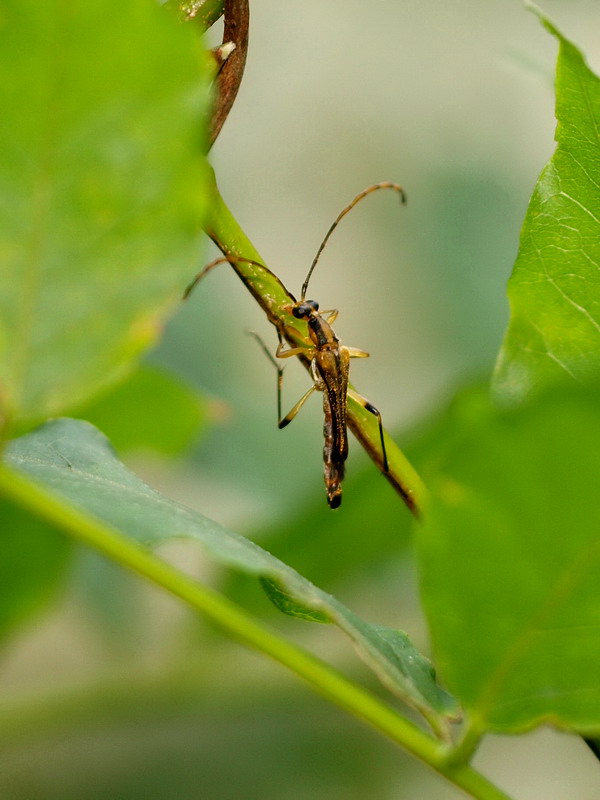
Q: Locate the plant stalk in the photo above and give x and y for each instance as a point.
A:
(275, 300)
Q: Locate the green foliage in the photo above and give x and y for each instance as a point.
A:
(332, 549)
(75, 461)
(33, 558)
(149, 410)
(511, 562)
(287, 604)
(102, 192)
(103, 189)
(554, 291)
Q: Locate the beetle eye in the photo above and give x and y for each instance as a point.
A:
(302, 310)
(313, 304)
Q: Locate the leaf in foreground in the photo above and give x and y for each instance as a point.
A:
(554, 291)
(510, 560)
(75, 461)
(101, 192)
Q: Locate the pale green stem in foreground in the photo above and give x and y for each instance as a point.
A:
(237, 623)
(466, 747)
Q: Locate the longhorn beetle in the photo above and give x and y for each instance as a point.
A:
(329, 362)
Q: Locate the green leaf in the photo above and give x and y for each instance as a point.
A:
(554, 291)
(152, 410)
(510, 561)
(102, 189)
(33, 558)
(75, 461)
(288, 605)
(316, 541)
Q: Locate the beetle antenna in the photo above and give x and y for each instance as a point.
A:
(357, 199)
(231, 259)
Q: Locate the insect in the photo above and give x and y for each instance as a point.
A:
(329, 362)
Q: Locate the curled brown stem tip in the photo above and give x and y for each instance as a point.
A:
(236, 24)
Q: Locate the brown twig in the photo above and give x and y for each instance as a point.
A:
(237, 19)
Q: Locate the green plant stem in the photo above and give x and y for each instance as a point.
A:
(238, 624)
(204, 12)
(275, 300)
(465, 749)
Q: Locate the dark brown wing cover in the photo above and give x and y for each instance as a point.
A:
(333, 367)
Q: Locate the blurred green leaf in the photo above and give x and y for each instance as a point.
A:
(151, 409)
(102, 188)
(75, 460)
(554, 290)
(33, 557)
(333, 549)
(510, 560)
(368, 538)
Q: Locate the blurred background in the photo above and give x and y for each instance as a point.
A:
(119, 692)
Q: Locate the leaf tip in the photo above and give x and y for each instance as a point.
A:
(545, 20)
